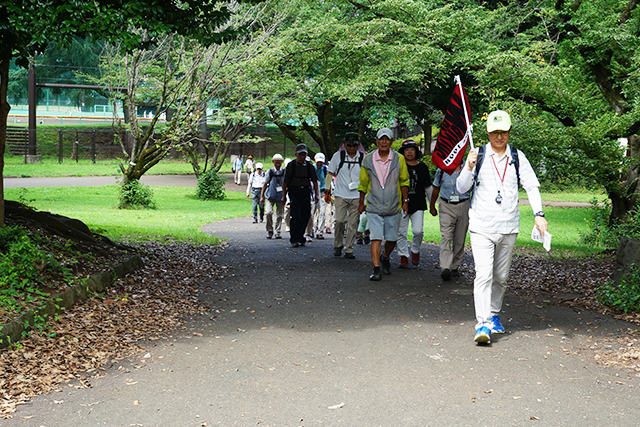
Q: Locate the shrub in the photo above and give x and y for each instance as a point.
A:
(136, 195)
(601, 232)
(625, 296)
(21, 265)
(211, 186)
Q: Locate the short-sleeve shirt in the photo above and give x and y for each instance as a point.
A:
(350, 172)
(300, 175)
(447, 184)
(419, 181)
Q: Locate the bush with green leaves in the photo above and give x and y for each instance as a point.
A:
(602, 232)
(626, 295)
(21, 265)
(136, 195)
(211, 186)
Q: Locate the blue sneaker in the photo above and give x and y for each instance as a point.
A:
(496, 326)
(483, 335)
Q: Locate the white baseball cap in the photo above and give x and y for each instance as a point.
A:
(319, 157)
(385, 132)
(498, 120)
(259, 165)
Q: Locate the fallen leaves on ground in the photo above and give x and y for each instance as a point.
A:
(146, 305)
(573, 283)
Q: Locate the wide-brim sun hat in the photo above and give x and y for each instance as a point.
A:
(277, 157)
(410, 144)
(498, 120)
(351, 139)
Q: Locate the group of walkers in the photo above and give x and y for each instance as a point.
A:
(382, 192)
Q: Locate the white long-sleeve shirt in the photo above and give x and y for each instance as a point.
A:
(485, 214)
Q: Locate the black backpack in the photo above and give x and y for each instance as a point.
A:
(343, 157)
(515, 160)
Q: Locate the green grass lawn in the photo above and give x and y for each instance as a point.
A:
(566, 226)
(51, 168)
(179, 214)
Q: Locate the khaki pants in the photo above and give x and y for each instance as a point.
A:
(279, 211)
(454, 222)
(347, 215)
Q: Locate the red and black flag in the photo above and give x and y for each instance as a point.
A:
(455, 132)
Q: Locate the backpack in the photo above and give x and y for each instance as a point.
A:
(515, 160)
(343, 157)
(271, 192)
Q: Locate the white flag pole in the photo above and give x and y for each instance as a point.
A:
(466, 113)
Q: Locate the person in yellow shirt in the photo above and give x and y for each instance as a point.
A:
(384, 182)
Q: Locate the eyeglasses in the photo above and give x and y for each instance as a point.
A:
(498, 133)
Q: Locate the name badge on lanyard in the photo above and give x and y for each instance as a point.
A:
(454, 198)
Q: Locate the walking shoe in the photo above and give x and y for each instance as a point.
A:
(496, 326)
(308, 238)
(328, 230)
(302, 243)
(415, 258)
(255, 221)
(359, 242)
(337, 251)
(349, 256)
(483, 335)
(455, 273)
(446, 274)
(269, 234)
(404, 262)
(261, 219)
(385, 263)
(367, 240)
(319, 237)
(278, 236)
(295, 245)
(376, 275)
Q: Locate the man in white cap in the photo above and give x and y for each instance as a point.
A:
(272, 196)
(300, 179)
(254, 188)
(384, 181)
(496, 169)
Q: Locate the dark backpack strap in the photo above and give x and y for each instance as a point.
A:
(479, 161)
(515, 159)
(516, 162)
(343, 156)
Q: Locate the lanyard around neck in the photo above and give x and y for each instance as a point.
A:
(506, 164)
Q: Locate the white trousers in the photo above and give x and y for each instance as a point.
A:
(492, 256)
(417, 228)
(319, 214)
(237, 177)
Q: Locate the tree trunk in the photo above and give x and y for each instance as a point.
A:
(621, 204)
(328, 143)
(364, 121)
(4, 113)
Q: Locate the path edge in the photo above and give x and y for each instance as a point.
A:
(12, 332)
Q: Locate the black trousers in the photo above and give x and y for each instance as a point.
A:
(300, 211)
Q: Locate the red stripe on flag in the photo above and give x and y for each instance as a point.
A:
(453, 139)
